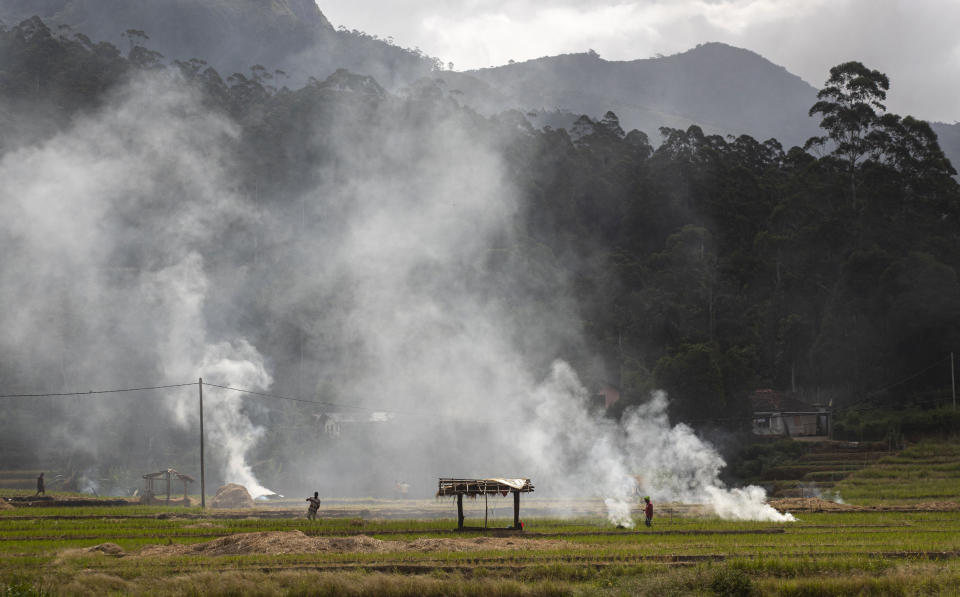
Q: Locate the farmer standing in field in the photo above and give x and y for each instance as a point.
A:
(648, 510)
(313, 507)
(40, 486)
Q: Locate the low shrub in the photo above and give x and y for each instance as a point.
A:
(731, 582)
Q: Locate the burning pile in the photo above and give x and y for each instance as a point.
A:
(232, 495)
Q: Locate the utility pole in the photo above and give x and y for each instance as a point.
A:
(953, 383)
(203, 478)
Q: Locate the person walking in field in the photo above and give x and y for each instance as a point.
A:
(40, 486)
(313, 507)
(648, 511)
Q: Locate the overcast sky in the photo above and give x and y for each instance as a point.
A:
(915, 42)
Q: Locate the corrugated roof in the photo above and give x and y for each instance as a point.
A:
(501, 485)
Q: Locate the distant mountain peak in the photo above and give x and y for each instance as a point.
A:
(718, 46)
(714, 51)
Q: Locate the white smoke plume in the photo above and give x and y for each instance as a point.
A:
(410, 288)
(234, 365)
(641, 455)
(433, 335)
(104, 228)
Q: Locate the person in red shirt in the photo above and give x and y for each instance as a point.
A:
(648, 510)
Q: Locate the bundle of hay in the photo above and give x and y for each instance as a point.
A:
(4, 505)
(232, 495)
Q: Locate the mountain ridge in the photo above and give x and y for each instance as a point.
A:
(735, 95)
(721, 88)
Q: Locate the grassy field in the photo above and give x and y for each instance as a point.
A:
(46, 551)
(408, 547)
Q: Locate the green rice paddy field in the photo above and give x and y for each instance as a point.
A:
(178, 551)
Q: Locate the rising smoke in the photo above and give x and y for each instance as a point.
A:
(105, 232)
(396, 287)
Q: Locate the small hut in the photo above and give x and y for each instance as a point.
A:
(477, 487)
(149, 495)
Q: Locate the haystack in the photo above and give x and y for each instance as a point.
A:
(4, 505)
(232, 495)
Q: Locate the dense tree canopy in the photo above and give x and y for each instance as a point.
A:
(704, 265)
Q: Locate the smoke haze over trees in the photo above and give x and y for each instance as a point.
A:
(451, 285)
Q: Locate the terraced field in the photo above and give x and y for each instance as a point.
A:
(818, 471)
(921, 473)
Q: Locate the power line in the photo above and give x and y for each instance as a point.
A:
(90, 392)
(241, 390)
(320, 402)
(909, 377)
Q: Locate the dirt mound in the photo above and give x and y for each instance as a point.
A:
(232, 495)
(812, 505)
(360, 543)
(268, 542)
(110, 549)
(285, 542)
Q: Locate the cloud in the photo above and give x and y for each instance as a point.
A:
(915, 44)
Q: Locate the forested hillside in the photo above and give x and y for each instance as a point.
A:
(707, 266)
(723, 89)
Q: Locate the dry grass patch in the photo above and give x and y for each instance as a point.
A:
(294, 542)
(95, 583)
(821, 505)
(268, 542)
(341, 584)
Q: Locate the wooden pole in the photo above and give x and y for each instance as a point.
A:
(485, 509)
(516, 509)
(953, 382)
(203, 478)
(459, 511)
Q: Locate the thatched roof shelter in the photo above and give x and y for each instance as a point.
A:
(485, 487)
(149, 496)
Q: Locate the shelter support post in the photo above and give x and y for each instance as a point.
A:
(459, 511)
(516, 509)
